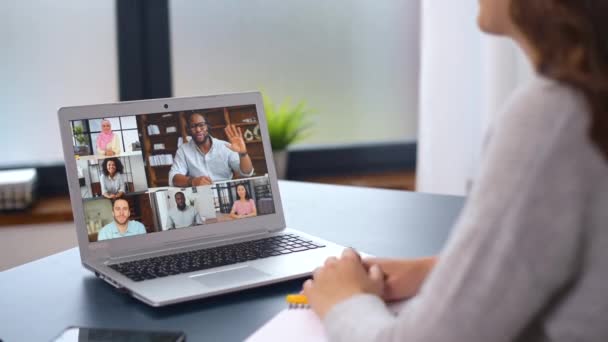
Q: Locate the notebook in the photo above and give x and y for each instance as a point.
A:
(300, 324)
(293, 325)
(178, 199)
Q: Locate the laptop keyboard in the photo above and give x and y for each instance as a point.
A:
(164, 266)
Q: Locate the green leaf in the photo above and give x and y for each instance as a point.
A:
(287, 124)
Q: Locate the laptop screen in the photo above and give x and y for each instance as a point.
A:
(150, 173)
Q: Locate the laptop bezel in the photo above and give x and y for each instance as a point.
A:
(167, 240)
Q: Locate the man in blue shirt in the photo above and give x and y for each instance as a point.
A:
(121, 226)
(204, 159)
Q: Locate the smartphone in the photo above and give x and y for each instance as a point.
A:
(82, 334)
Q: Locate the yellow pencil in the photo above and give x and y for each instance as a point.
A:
(297, 301)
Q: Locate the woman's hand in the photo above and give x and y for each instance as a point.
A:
(340, 279)
(403, 278)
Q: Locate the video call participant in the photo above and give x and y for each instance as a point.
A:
(183, 215)
(112, 184)
(108, 142)
(204, 159)
(121, 226)
(244, 206)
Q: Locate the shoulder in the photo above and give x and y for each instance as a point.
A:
(541, 116)
(220, 144)
(107, 228)
(546, 104)
(136, 224)
(541, 135)
(218, 141)
(186, 147)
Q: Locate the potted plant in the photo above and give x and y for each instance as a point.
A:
(81, 147)
(286, 124)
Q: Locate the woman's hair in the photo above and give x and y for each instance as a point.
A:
(247, 197)
(104, 166)
(571, 38)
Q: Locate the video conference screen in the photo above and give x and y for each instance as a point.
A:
(149, 173)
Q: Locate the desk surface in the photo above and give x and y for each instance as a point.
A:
(39, 299)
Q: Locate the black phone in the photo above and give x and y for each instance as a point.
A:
(82, 334)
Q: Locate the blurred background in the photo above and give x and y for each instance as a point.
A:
(400, 92)
(353, 63)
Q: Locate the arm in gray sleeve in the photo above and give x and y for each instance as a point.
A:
(170, 223)
(514, 249)
(102, 181)
(198, 219)
(122, 186)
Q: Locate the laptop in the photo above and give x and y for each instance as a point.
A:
(177, 199)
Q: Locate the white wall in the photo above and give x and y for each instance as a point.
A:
(54, 53)
(354, 61)
(140, 182)
(203, 201)
(465, 78)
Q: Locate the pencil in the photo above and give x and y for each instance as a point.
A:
(296, 300)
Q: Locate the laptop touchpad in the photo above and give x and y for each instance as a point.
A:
(232, 277)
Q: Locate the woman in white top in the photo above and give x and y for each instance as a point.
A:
(528, 257)
(108, 142)
(112, 184)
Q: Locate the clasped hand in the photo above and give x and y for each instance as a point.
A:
(341, 278)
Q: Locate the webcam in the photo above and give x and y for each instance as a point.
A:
(166, 106)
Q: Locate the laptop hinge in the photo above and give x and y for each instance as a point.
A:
(175, 246)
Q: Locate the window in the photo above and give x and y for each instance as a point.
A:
(354, 62)
(55, 53)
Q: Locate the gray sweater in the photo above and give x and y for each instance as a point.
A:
(528, 258)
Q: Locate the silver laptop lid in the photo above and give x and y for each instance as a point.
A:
(125, 162)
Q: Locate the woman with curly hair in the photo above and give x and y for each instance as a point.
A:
(112, 184)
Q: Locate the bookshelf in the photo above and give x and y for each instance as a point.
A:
(263, 195)
(245, 118)
(160, 134)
